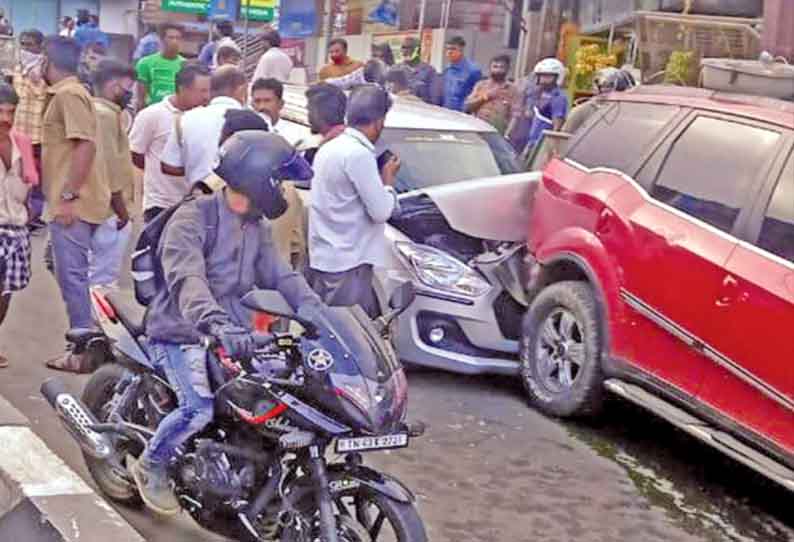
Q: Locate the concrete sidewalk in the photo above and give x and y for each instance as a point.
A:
(42, 499)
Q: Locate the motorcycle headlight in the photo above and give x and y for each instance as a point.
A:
(440, 271)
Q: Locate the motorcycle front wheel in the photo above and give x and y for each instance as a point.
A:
(367, 516)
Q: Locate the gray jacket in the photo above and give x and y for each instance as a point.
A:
(200, 292)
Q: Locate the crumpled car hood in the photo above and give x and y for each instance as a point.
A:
(495, 209)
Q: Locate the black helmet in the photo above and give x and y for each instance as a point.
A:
(609, 79)
(254, 163)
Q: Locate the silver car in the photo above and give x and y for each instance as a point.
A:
(460, 237)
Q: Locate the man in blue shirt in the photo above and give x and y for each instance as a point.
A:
(224, 30)
(148, 45)
(460, 76)
(88, 32)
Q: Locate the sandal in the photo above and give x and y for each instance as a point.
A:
(70, 362)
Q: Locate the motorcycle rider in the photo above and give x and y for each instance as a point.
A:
(201, 295)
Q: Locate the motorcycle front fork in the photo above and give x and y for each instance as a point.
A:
(324, 501)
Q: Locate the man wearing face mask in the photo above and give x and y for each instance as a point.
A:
(204, 279)
(351, 202)
(492, 99)
(113, 83)
(77, 201)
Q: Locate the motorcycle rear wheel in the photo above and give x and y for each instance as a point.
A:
(110, 476)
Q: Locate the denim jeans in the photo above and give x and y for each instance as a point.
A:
(186, 369)
(71, 250)
(108, 247)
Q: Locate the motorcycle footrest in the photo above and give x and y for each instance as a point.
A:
(296, 440)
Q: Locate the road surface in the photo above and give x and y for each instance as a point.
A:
(490, 468)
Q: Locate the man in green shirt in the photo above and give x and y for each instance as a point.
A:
(157, 72)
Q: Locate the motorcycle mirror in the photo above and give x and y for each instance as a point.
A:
(266, 301)
(402, 297)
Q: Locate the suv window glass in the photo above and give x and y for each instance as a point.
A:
(711, 169)
(621, 135)
(777, 231)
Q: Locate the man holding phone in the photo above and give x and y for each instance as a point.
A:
(351, 202)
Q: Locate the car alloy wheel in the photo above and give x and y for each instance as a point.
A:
(560, 351)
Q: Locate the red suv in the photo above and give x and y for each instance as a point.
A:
(662, 269)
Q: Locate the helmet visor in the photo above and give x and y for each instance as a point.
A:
(294, 169)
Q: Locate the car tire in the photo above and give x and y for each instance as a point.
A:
(561, 347)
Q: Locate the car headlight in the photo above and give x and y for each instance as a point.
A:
(440, 271)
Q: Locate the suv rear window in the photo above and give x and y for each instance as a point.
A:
(621, 135)
(710, 171)
(777, 231)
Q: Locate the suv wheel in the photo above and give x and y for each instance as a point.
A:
(561, 351)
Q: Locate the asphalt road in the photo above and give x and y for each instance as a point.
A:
(490, 468)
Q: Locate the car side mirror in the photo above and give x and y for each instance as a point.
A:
(551, 140)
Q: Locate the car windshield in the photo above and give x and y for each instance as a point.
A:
(432, 157)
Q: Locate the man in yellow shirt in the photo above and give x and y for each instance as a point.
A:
(77, 201)
(340, 64)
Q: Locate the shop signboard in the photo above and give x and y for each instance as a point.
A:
(186, 6)
(258, 10)
(297, 18)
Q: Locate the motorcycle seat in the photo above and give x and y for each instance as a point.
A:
(129, 311)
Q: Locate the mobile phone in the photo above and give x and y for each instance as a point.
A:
(384, 158)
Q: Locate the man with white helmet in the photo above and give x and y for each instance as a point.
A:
(548, 103)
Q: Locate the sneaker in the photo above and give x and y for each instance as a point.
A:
(3, 362)
(155, 488)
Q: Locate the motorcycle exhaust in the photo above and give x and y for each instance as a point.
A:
(77, 419)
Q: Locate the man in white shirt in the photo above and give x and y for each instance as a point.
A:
(351, 203)
(267, 99)
(150, 132)
(275, 62)
(192, 149)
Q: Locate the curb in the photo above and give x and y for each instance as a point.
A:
(42, 499)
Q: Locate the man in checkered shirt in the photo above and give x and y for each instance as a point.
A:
(14, 236)
(32, 91)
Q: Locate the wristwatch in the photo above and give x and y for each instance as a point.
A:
(68, 195)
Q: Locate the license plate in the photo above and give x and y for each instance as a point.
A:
(361, 444)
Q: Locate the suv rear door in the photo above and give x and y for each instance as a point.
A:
(754, 383)
(693, 195)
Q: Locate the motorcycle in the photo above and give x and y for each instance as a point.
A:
(259, 472)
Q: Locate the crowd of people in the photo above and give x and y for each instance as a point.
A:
(520, 111)
(69, 147)
(74, 124)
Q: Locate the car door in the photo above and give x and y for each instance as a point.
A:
(753, 380)
(698, 184)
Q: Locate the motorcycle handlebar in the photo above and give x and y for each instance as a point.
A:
(261, 340)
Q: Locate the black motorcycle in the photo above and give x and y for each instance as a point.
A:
(259, 472)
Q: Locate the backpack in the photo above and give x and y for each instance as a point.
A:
(147, 271)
